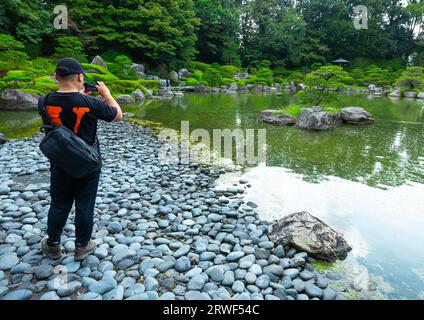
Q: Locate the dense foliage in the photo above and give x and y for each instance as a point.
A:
(276, 41)
(287, 33)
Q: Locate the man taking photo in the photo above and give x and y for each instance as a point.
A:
(79, 113)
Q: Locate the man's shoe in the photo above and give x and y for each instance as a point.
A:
(83, 252)
(53, 252)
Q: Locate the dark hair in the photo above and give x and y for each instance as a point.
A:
(68, 77)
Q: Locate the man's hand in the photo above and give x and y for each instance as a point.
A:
(84, 92)
(105, 93)
(103, 90)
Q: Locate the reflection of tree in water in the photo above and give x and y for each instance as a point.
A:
(382, 154)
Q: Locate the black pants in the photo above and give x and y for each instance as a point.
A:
(64, 190)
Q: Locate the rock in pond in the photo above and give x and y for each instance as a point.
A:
(274, 117)
(317, 119)
(410, 94)
(17, 100)
(125, 100)
(356, 115)
(305, 232)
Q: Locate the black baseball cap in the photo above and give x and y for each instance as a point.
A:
(68, 66)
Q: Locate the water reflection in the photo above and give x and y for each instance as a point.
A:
(384, 227)
(387, 153)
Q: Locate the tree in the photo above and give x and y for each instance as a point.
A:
(272, 30)
(28, 21)
(217, 35)
(321, 83)
(40, 67)
(412, 78)
(70, 47)
(12, 55)
(155, 31)
(121, 67)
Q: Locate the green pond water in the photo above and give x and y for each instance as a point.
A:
(366, 181)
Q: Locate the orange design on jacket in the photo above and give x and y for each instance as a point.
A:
(80, 112)
(54, 114)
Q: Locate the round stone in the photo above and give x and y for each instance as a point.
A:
(197, 282)
(8, 261)
(20, 294)
(234, 256)
(262, 282)
(182, 264)
(51, 295)
(114, 227)
(216, 273)
(238, 286)
(250, 278)
(43, 272)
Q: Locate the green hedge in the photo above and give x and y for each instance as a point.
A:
(129, 86)
(192, 82)
(197, 65)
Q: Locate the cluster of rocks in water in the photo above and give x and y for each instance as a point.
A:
(163, 231)
(316, 118)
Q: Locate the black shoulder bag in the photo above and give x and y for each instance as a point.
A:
(65, 149)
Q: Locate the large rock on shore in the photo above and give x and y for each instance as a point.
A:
(307, 233)
(125, 100)
(98, 60)
(410, 94)
(241, 75)
(184, 73)
(356, 115)
(3, 139)
(202, 88)
(138, 95)
(165, 92)
(273, 117)
(173, 76)
(317, 119)
(17, 100)
(395, 93)
(139, 69)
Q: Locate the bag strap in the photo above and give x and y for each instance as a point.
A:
(96, 142)
(48, 123)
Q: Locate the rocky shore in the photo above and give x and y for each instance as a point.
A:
(163, 232)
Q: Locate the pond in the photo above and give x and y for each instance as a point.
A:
(367, 181)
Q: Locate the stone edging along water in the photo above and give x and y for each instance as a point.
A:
(163, 232)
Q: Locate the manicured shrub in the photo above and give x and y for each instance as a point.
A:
(129, 86)
(241, 83)
(16, 75)
(98, 69)
(198, 75)
(229, 71)
(227, 81)
(279, 80)
(45, 79)
(106, 78)
(412, 78)
(192, 82)
(212, 76)
(265, 75)
(347, 80)
(296, 77)
(121, 67)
